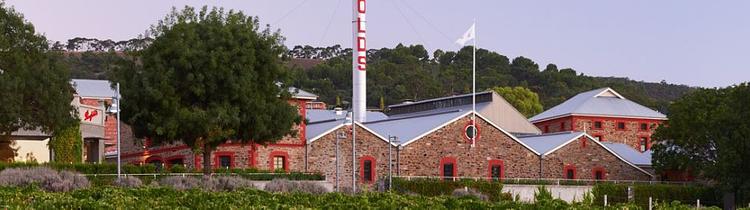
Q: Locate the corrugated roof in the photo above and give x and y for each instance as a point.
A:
(603, 101)
(323, 121)
(299, 93)
(546, 143)
(409, 128)
(93, 88)
(630, 154)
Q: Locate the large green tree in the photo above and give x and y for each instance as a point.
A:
(523, 99)
(209, 76)
(35, 91)
(708, 133)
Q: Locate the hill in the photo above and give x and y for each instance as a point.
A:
(403, 73)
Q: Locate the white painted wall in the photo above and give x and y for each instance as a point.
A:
(567, 193)
(32, 149)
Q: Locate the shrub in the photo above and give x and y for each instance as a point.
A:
(228, 183)
(542, 194)
(469, 193)
(180, 183)
(437, 187)
(128, 181)
(286, 186)
(43, 177)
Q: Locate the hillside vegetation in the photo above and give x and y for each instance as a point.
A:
(407, 73)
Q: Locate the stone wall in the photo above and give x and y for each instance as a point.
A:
(585, 158)
(609, 131)
(322, 155)
(422, 157)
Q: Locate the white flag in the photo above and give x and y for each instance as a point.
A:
(469, 35)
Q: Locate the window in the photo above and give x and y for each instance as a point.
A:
(471, 131)
(367, 169)
(599, 173)
(448, 168)
(569, 171)
(598, 125)
(621, 125)
(279, 162)
(496, 170)
(225, 161)
(644, 126)
(645, 144)
(176, 161)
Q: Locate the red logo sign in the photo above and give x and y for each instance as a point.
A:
(361, 39)
(89, 116)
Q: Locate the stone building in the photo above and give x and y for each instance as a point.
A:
(605, 115)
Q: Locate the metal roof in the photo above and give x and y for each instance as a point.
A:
(547, 143)
(93, 88)
(630, 154)
(412, 127)
(599, 102)
(322, 122)
(302, 94)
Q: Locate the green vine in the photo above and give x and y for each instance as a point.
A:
(68, 144)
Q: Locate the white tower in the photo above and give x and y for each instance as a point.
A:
(359, 61)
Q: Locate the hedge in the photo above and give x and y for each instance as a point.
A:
(109, 168)
(618, 193)
(437, 187)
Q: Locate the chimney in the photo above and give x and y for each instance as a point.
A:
(359, 61)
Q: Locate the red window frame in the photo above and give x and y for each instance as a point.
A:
(225, 153)
(624, 126)
(601, 138)
(640, 126)
(445, 160)
(599, 169)
(648, 143)
(362, 169)
(489, 168)
(278, 154)
(601, 125)
(570, 167)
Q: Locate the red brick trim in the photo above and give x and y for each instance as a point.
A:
(567, 167)
(479, 131)
(362, 168)
(593, 125)
(155, 157)
(445, 160)
(583, 142)
(252, 154)
(617, 125)
(276, 154)
(599, 169)
(225, 153)
(648, 142)
(197, 161)
(155, 151)
(494, 163)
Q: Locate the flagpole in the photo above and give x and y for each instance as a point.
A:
(474, 87)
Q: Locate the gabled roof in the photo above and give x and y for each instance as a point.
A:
(630, 154)
(549, 142)
(599, 102)
(302, 94)
(93, 88)
(322, 122)
(546, 144)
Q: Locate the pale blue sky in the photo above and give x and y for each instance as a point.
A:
(698, 43)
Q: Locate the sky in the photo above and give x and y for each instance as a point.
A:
(692, 42)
